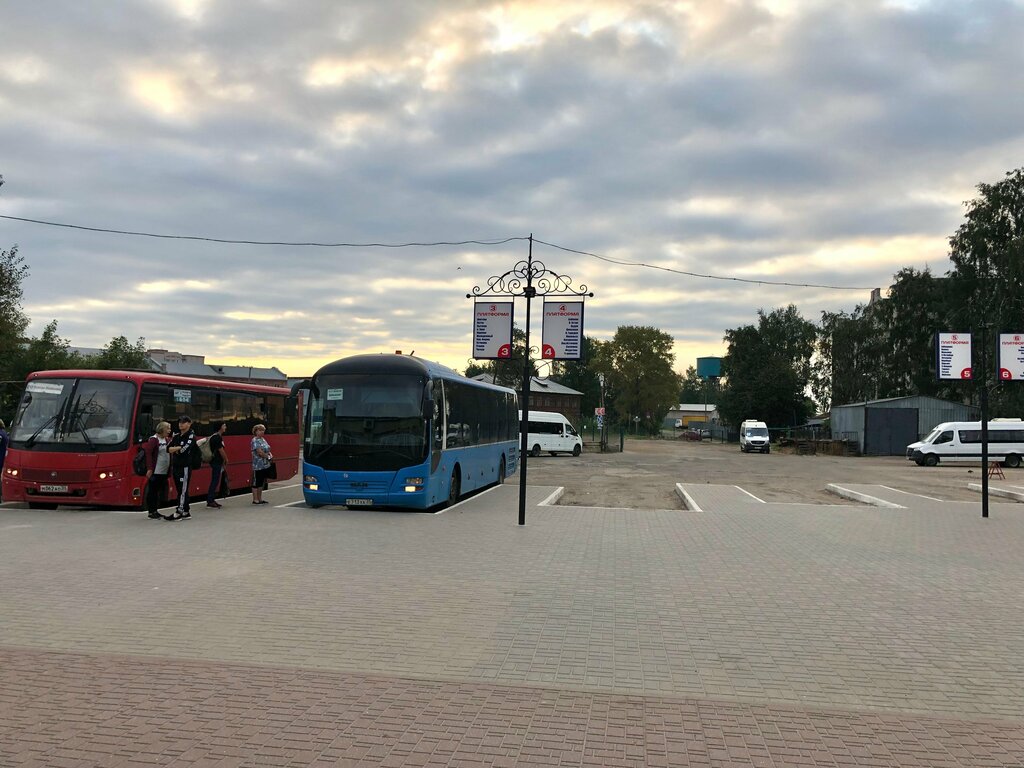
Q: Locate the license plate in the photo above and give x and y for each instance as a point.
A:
(53, 489)
(358, 502)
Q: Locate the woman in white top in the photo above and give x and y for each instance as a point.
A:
(158, 464)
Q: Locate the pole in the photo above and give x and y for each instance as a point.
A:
(984, 420)
(705, 410)
(528, 292)
(528, 278)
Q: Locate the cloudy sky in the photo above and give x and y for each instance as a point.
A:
(830, 142)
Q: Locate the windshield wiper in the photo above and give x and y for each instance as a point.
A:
(77, 420)
(35, 435)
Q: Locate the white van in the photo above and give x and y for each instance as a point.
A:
(961, 441)
(553, 433)
(754, 437)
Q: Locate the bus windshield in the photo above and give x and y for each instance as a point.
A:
(366, 422)
(757, 432)
(74, 414)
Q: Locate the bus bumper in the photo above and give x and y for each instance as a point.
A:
(93, 494)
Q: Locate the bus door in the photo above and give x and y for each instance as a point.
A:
(437, 415)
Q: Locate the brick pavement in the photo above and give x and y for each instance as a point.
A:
(83, 711)
(865, 636)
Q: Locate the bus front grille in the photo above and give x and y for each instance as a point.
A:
(357, 488)
(55, 475)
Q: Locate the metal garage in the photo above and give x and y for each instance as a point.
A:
(886, 427)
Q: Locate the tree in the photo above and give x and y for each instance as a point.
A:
(119, 354)
(692, 387)
(509, 372)
(768, 369)
(987, 279)
(582, 375)
(641, 379)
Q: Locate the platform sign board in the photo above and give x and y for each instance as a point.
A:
(492, 330)
(1011, 356)
(953, 356)
(562, 334)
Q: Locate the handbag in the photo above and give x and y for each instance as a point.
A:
(271, 472)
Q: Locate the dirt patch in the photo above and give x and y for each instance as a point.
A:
(645, 474)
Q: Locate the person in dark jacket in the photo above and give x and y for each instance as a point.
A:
(218, 458)
(181, 448)
(158, 464)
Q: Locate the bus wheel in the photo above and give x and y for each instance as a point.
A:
(931, 460)
(576, 450)
(453, 488)
(41, 505)
(536, 451)
(501, 471)
(1012, 460)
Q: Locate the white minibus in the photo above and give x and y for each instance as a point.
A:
(553, 433)
(754, 437)
(961, 441)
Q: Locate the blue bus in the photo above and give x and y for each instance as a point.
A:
(398, 431)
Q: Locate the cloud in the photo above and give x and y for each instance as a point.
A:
(812, 142)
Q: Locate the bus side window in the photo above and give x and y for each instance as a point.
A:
(945, 437)
(156, 404)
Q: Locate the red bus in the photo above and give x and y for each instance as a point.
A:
(76, 432)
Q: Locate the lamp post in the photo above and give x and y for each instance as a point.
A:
(604, 414)
(528, 279)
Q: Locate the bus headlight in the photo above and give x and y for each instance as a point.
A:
(413, 484)
(107, 474)
(12, 472)
(311, 482)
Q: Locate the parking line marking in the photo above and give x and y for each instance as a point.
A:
(750, 494)
(474, 496)
(908, 493)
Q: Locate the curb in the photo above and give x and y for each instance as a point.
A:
(874, 501)
(687, 499)
(997, 491)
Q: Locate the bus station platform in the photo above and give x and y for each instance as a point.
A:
(743, 634)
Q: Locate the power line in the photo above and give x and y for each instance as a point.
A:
(261, 242)
(697, 274)
(496, 241)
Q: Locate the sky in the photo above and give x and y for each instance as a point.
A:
(817, 143)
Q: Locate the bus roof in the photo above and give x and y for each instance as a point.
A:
(400, 364)
(157, 378)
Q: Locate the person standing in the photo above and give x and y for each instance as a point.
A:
(218, 458)
(180, 449)
(261, 458)
(4, 440)
(158, 464)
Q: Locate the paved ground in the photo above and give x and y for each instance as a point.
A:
(645, 475)
(749, 633)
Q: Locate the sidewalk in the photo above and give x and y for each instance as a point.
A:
(745, 634)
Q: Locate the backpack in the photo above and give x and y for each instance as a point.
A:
(204, 449)
(139, 465)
